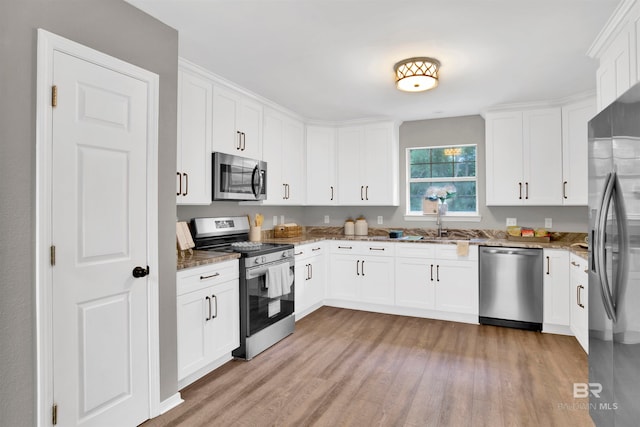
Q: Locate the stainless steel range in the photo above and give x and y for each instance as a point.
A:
(266, 281)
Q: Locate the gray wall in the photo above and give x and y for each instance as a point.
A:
(455, 130)
(118, 29)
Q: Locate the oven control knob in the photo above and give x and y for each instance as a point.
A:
(285, 254)
(257, 261)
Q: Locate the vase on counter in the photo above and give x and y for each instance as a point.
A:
(443, 207)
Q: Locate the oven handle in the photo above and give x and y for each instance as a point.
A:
(261, 271)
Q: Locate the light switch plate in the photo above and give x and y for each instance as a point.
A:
(548, 223)
(326, 219)
(512, 221)
(380, 219)
(281, 219)
(275, 220)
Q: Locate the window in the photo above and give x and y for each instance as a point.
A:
(442, 168)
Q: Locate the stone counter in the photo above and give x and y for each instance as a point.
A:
(198, 258)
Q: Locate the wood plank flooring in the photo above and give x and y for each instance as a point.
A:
(354, 368)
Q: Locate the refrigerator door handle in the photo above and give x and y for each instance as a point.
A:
(623, 249)
(599, 249)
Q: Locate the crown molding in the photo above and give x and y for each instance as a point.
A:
(615, 24)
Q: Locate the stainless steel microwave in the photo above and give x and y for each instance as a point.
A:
(238, 178)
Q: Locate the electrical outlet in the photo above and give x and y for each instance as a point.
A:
(548, 223)
(281, 219)
(326, 219)
(380, 219)
(512, 221)
(275, 220)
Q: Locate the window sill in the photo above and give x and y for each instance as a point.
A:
(444, 218)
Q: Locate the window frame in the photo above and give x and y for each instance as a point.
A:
(418, 215)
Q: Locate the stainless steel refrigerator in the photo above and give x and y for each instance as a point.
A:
(614, 263)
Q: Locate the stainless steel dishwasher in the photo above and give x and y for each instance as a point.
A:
(511, 287)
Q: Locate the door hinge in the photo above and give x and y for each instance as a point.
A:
(54, 415)
(53, 255)
(54, 96)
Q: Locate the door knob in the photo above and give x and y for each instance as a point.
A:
(140, 272)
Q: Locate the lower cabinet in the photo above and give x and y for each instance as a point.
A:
(208, 315)
(362, 272)
(579, 279)
(436, 277)
(310, 278)
(556, 289)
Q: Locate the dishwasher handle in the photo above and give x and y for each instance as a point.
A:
(522, 252)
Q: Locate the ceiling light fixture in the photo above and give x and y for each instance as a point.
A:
(417, 74)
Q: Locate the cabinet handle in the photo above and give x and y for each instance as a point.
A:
(526, 192)
(216, 306)
(366, 193)
(186, 184)
(520, 190)
(179, 183)
(299, 253)
(331, 193)
(361, 190)
(432, 272)
(358, 268)
(284, 191)
(239, 140)
(244, 141)
(345, 247)
(288, 191)
(578, 289)
(206, 319)
(210, 276)
(376, 249)
(575, 264)
(438, 273)
(315, 249)
(564, 190)
(310, 271)
(362, 269)
(548, 265)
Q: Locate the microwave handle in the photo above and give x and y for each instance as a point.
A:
(257, 171)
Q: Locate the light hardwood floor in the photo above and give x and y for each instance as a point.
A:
(354, 368)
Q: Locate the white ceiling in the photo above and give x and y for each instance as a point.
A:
(333, 60)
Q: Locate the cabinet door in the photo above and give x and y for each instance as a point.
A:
(301, 274)
(457, 286)
(293, 162)
(579, 301)
(194, 139)
(225, 131)
(542, 144)
(575, 120)
(321, 160)
(556, 288)
(194, 345)
(377, 280)
(272, 143)
(344, 277)
(225, 318)
(315, 286)
(504, 159)
(249, 122)
(415, 279)
(379, 164)
(349, 178)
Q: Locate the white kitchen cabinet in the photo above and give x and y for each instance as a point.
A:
(524, 157)
(362, 272)
(614, 76)
(310, 278)
(283, 148)
(208, 314)
(575, 135)
(321, 171)
(237, 124)
(435, 277)
(556, 291)
(579, 279)
(367, 158)
(195, 104)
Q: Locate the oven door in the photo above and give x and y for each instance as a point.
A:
(267, 306)
(238, 178)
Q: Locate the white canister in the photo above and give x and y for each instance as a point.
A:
(349, 228)
(361, 227)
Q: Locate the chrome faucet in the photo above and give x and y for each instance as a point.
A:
(441, 232)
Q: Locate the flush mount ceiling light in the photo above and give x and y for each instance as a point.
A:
(417, 74)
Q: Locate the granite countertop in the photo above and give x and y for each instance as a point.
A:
(198, 258)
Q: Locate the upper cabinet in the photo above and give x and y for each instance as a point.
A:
(237, 124)
(322, 189)
(283, 148)
(195, 101)
(524, 157)
(575, 133)
(367, 158)
(616, 49)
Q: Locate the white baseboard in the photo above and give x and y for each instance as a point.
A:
(550, 328)
(183, 382)
(170, 403)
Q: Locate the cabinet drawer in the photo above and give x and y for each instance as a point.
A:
(193, 279)
(415, 250)
(450, 251)
(309, 249)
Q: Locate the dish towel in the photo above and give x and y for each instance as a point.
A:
(278, 280)
(462, 248)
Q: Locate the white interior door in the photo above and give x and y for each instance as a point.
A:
(99, 229)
